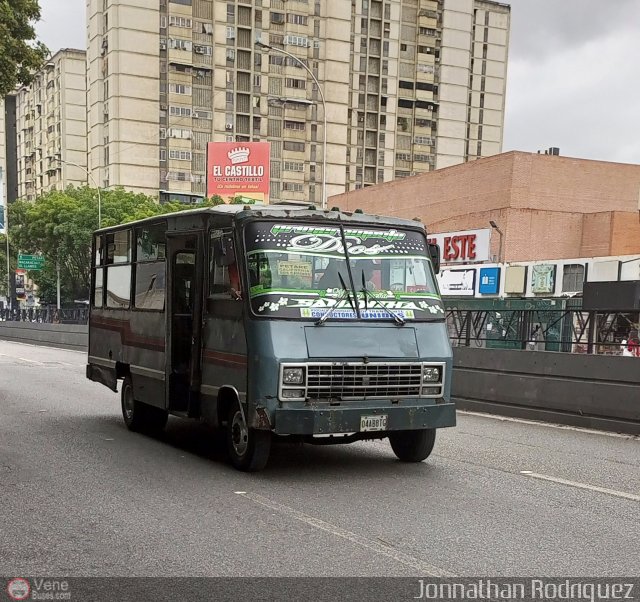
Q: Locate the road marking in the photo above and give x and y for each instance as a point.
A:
(24, 359)
(623, 494)
(383, 550)
(564, 427)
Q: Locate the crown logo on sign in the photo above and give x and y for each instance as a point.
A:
(238, 155)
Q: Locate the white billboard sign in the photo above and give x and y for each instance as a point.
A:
(457, 283)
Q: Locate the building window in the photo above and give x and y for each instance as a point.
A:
(299, 126)
(290, 145)
(180, 89)
(176, 21)
(293, 166)
(424, 140)
(296, 19)
(180, 155)
(180, 111)
(573, 278)
(178, 44)
(293, 187)
(296, 41)
(299, 84)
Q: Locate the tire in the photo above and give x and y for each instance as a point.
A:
(248, 449)
(413, 446)
(140, 417)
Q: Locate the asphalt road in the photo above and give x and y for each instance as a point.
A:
(81, 496)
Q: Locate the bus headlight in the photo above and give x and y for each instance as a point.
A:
(293, 376)
(431, 374)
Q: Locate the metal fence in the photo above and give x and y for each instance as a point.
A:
(569, 330)
(46, 315)
(551, 326)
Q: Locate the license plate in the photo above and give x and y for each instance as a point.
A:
(374, 423)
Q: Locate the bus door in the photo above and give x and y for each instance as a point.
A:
(184, 321)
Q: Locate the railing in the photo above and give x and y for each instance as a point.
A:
(569, 330)
(46, 316)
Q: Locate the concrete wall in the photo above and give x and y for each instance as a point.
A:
(67, 336)
(582, 390)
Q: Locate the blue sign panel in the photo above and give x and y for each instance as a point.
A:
(489, 281)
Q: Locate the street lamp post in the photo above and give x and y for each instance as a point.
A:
(495, 227)
(324, 110)
(90, 178)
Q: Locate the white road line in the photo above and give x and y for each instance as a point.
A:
(415, 563)
(623, 494)
(564, 427)
(24, 359)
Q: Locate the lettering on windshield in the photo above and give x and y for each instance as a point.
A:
(298, 270)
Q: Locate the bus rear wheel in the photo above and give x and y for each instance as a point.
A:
(139, 416)
(413, 446)
(248, 448)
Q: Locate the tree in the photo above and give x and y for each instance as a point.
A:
(20, 55)
(59, 225)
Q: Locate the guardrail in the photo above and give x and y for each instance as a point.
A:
(67, 336)
(580, 390)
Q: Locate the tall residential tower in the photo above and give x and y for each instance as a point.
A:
(410, 85)
(51, 126)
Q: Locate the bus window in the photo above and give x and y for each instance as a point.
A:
(118, 247)
(224, 277)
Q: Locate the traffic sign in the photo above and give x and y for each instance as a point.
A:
(31, 262)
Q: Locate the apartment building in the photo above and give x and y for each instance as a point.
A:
(51, 126)
(8, 147)
(408, 85)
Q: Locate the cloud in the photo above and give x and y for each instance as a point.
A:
(62, 24)
(573, 83)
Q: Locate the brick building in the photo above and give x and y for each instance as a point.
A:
(547, 207)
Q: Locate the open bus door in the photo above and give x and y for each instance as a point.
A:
(184, 322)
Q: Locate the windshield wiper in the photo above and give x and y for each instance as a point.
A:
(399, 320)
(345, 295)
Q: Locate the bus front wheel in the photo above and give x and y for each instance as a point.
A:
(248, 448)
(139, 416)
(413, 446)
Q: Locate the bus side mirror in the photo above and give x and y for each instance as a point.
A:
(224, 251)
(434, 254)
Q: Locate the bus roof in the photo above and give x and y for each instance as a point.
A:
(282, 212)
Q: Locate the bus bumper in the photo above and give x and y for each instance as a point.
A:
(329, 420)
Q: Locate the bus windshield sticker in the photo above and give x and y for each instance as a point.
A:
(295, 266)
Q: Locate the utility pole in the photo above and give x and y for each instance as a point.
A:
(58, 282)
(3, 200)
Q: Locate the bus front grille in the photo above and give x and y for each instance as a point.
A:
(350, 382)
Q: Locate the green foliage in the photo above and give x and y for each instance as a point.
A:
(20, 54)
(59, 225)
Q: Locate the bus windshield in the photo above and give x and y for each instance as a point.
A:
(302, 271)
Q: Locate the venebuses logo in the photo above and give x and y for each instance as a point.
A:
(18, 589)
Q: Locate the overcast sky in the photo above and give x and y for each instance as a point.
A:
(573, 75)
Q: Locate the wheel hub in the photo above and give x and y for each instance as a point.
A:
(239, 434)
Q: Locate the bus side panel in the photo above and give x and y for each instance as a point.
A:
(224, 356)
(131, 342)
(145, 354)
